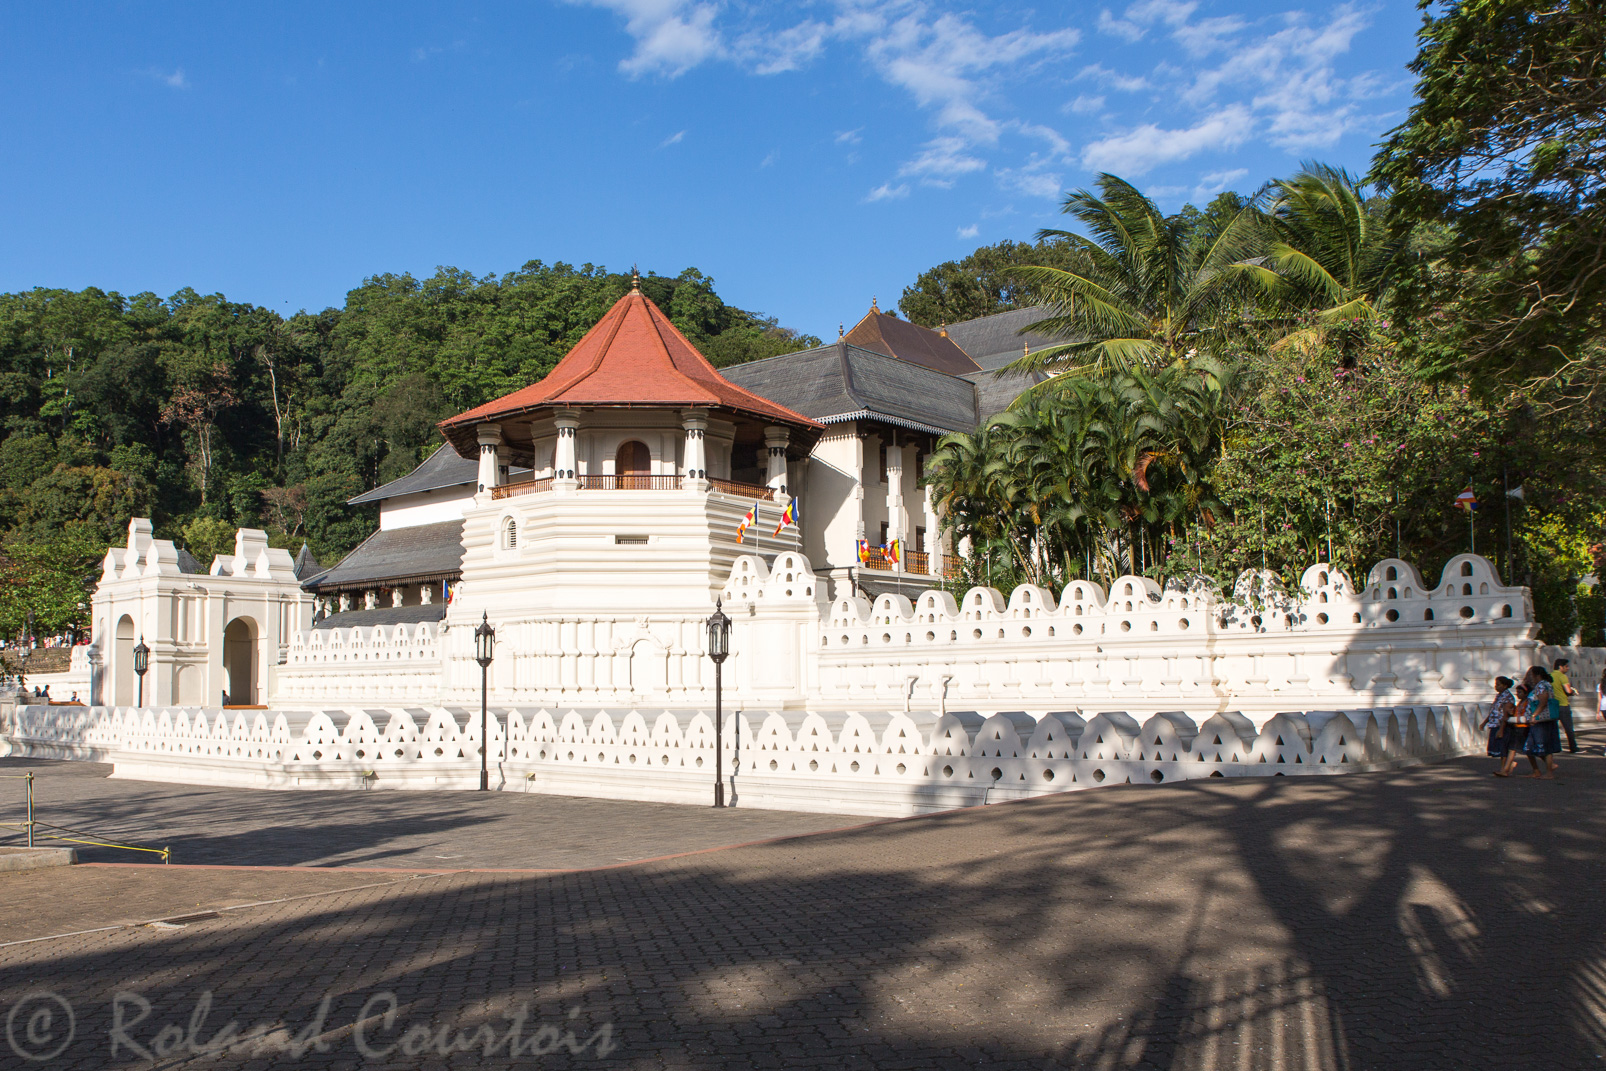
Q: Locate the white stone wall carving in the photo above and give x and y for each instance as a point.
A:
(1393, 642)
(386, 663)
(855, 762)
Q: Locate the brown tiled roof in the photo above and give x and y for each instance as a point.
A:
(910, 342)
(633, 357)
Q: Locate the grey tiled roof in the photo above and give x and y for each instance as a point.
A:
(443, 468)
(994, 341)
(994, 393)
(841, 381)
(306, 565)
(187, 562)
(387, 615)
(393, 555)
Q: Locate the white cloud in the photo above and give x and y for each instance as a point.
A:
(1031, 183)
(1216, 181)
(173, 79)
(674, 139)
(1142, 148)
(775, 154)
(969, 232)
(672, 36)
(849, 137)
(940, 62)
(941, 160)
(887, 192)
(1306, 104)
(1109, 79)
(1085, 105)
(771, 52)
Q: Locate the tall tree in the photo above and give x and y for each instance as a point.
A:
(1507, 145)
(980, 284)
(1149, 287)
(1328, 257)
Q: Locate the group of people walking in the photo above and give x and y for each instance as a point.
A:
(1529, 718)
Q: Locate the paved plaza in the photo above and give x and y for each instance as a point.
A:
(1430, 917)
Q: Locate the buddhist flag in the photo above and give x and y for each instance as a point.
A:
(747, 521)
(864, 551)
(893, 550)
(1466, 499)
(789, 517)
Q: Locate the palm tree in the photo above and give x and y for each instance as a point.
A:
(1329, 254)
(1147, 291)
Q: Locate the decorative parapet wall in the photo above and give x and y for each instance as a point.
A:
(384, 663)
(851, 763)
(1394, 642)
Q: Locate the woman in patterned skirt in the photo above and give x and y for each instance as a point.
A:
(1544, 726)
(1504, 705)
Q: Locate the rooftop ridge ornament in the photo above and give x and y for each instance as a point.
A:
(635, 279)
(873, 306)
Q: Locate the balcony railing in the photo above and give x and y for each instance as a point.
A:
(745, 490)
(629, 482)
(917, 562)
(526, 487)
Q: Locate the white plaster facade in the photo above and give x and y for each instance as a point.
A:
(214, 638)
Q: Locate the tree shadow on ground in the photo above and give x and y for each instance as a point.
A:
(1428, 918)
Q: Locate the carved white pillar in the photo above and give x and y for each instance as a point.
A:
(775, 440)
(490, 437)
(694, 467)
(934, 554)
(426, 594)
(897, 516)
(564, 454)
(345, 601)
(395, 596)
(370, 600)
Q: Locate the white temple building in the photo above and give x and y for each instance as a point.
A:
(593, 519)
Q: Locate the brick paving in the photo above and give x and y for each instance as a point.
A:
(232, 826)
(1432, 917)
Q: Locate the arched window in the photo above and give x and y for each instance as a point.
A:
(510, 534)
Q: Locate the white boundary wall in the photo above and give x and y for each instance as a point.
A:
(852, 763)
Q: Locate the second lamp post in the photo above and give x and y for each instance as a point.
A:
(484, 650)
(142, 662)
(719, 647)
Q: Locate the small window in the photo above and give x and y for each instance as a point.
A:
(630, 541)
(510, 534)
(920, 540)
(884, 531)
(882, 470)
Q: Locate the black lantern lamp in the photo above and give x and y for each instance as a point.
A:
(142, 662)
(484, 651)
(719, 648)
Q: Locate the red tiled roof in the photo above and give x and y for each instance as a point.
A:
(910, 342)
(633, 356)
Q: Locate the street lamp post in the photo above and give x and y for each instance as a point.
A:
(484, 649)
(719, 648)
(142, 662)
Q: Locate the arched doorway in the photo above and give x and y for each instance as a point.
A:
(239, 663)
(123, 683)
(633, 466)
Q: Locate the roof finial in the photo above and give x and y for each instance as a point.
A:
(873, 306)
(839, 330)
(944, 331)
(635, 280)
(1025, 349)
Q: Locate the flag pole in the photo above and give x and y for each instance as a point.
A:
(1472, 525)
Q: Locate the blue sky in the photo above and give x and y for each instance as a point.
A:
(808, 156)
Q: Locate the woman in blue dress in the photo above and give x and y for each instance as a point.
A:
(1544, 728)
(1504, 705)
